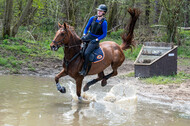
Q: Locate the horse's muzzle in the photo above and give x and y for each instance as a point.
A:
(54, 48)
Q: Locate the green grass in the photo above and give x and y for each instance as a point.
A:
(18, 52)
(31, 68)
(184, 62)
(14, 71)
(30, 48)
(176, 79)
(11, 62)
(132, 55)
(183, 51)
(157, 80)
(131, 74)
(3, 61)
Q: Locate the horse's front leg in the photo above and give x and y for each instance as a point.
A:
(79, 86)
(61, 74)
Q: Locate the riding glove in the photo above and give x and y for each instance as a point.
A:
(83, 37)
(93, 41)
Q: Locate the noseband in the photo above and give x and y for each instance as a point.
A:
(65, 45)
(60, 40)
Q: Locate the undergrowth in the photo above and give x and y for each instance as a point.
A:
(157, 80)
(19, 52)
(176, 79)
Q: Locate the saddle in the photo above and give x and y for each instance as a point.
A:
(96, 56)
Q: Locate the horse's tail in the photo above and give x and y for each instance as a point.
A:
(127, 36)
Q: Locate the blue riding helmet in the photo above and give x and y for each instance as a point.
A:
(102, 7)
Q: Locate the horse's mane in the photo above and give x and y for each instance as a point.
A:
(127, 36)
(73, 33)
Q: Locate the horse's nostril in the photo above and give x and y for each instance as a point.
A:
(52, 47)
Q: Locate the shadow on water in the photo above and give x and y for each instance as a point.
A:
(34, 101)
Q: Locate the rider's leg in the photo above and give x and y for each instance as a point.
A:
(88, 51)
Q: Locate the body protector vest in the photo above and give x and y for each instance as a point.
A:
(96, 27)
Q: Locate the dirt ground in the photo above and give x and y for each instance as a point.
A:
(169, 92)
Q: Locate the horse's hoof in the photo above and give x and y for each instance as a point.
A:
(86, 88)
(63, 90)
(104, 82)
(80, 98)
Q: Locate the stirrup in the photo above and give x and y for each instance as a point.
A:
(83, 72)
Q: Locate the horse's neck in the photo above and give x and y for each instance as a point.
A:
(72, 49)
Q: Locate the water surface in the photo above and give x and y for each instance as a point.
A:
(34, 101)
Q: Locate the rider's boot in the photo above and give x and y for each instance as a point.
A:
(84, 70)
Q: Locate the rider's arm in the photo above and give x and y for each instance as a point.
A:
(88, 25)
(104, 29)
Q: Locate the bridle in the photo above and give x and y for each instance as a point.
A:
(57, 43)
(65, 45)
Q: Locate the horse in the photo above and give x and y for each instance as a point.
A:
(72, 62)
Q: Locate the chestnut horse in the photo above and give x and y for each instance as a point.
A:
(73, 62)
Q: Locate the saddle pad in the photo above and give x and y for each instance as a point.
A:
(97, 55)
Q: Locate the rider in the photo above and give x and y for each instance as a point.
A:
(98, 31)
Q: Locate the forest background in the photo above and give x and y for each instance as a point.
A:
(27, 27)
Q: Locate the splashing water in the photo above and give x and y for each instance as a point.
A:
(86, 96)
(122, 95)
(120, 101)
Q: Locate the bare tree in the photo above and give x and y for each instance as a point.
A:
(112, 13)
(172, 19)
(157, 11)
(7, 18)
(24, 15)
(147, 12)
(187, 9)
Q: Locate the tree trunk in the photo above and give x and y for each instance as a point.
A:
(72, 13)
(187, 22)
(7, 18)
(24, 15)
(133, 4)
(112, 13)
(174, 11)
(147, 12)
(157, 11)
(20, 7)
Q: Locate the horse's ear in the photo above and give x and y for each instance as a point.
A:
(59, 25)
(65, 25)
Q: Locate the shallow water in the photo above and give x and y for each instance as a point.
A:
(34, 101)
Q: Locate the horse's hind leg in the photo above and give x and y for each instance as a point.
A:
(113, 73)
(104, 80)
(100, 77)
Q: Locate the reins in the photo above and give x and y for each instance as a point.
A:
(68, 62)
